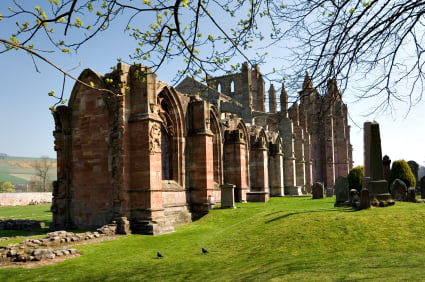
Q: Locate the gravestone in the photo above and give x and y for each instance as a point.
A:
(364, 199)
(354, 196)
(329, 192)
(423, 187)
(373, 166)
(411, 195)
(386, 164)
(414, 167)
(398, 190)
(227, 196)
(317, 190)
(341, 192)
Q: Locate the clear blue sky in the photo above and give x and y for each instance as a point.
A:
(26, 124)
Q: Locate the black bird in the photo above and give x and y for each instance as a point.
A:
(159, 255)
(204, 251)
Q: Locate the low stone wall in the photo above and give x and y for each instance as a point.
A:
(23, 199)
(21, 224)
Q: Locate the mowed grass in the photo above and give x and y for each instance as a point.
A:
(35, 212)
(286, 239)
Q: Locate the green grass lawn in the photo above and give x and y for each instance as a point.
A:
(286, 239)
(36, 212)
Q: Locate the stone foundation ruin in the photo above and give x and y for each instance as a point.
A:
(53, 245)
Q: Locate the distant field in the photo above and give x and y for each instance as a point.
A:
(11, 178)
(27, 177)
(20, 169)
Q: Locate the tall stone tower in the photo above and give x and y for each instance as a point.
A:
(246, 87)
(283, 100)
(325, 119)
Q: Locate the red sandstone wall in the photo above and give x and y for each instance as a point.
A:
(174, 199)
(235, 169)
(90, 187)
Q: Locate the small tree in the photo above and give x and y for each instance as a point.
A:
(401, 170)
(35, 185)
(42, 168)
(355, 178)
(6, 186)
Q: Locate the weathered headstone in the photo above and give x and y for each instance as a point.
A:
(341, 192)
(364, 199)
(414, 167)
(227, 196)
(422, 183)
(411, 195)
(398, 190)
(386, 164)
(329, 192)
(354, 196)
(211, 202)
(317, 190)
(373, 167)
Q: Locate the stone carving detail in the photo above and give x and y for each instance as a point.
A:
(258, 138)
(155, 139)
(241, 135)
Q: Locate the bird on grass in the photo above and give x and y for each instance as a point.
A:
(159, 255)
(204, 251)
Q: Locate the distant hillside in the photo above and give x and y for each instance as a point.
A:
(20, 170)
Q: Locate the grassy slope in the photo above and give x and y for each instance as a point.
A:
(287, 239)
(19, 174)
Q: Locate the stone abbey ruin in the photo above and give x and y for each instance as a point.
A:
(158, 156)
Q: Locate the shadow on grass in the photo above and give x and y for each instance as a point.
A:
(26, 233)
(288, 214)
(23, 233)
